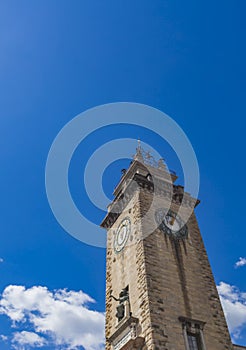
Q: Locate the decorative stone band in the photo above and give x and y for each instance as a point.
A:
(191, 323)
(125, 337)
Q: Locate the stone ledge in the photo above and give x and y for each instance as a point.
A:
(125, 337)
(133, 344)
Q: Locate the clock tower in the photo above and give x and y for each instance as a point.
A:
(160, 291)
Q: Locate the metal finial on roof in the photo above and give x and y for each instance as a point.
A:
(147, 158)
(139, 153)
(161, 164)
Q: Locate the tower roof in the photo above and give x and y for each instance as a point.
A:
(146, 173)
(144, 163)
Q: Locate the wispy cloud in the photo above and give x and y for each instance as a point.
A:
(3, 337)
(240, 262)
(234, 304)
(58, 318)
(22, 339)
(1, 260)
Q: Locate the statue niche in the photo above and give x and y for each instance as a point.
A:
(123, 308)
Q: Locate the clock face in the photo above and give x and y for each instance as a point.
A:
(170, 223)
(122, 234)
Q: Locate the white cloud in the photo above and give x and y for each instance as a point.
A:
(240, 262)
(62, 316)
(1, 260)
(234, 305)
(3, 337)
(22, 339)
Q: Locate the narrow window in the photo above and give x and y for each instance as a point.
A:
(193, 341)
(193, 333)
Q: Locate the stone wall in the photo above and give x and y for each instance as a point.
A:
(168, 279)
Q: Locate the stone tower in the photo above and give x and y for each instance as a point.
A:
(160, 291)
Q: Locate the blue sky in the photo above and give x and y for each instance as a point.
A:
(57, 59)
